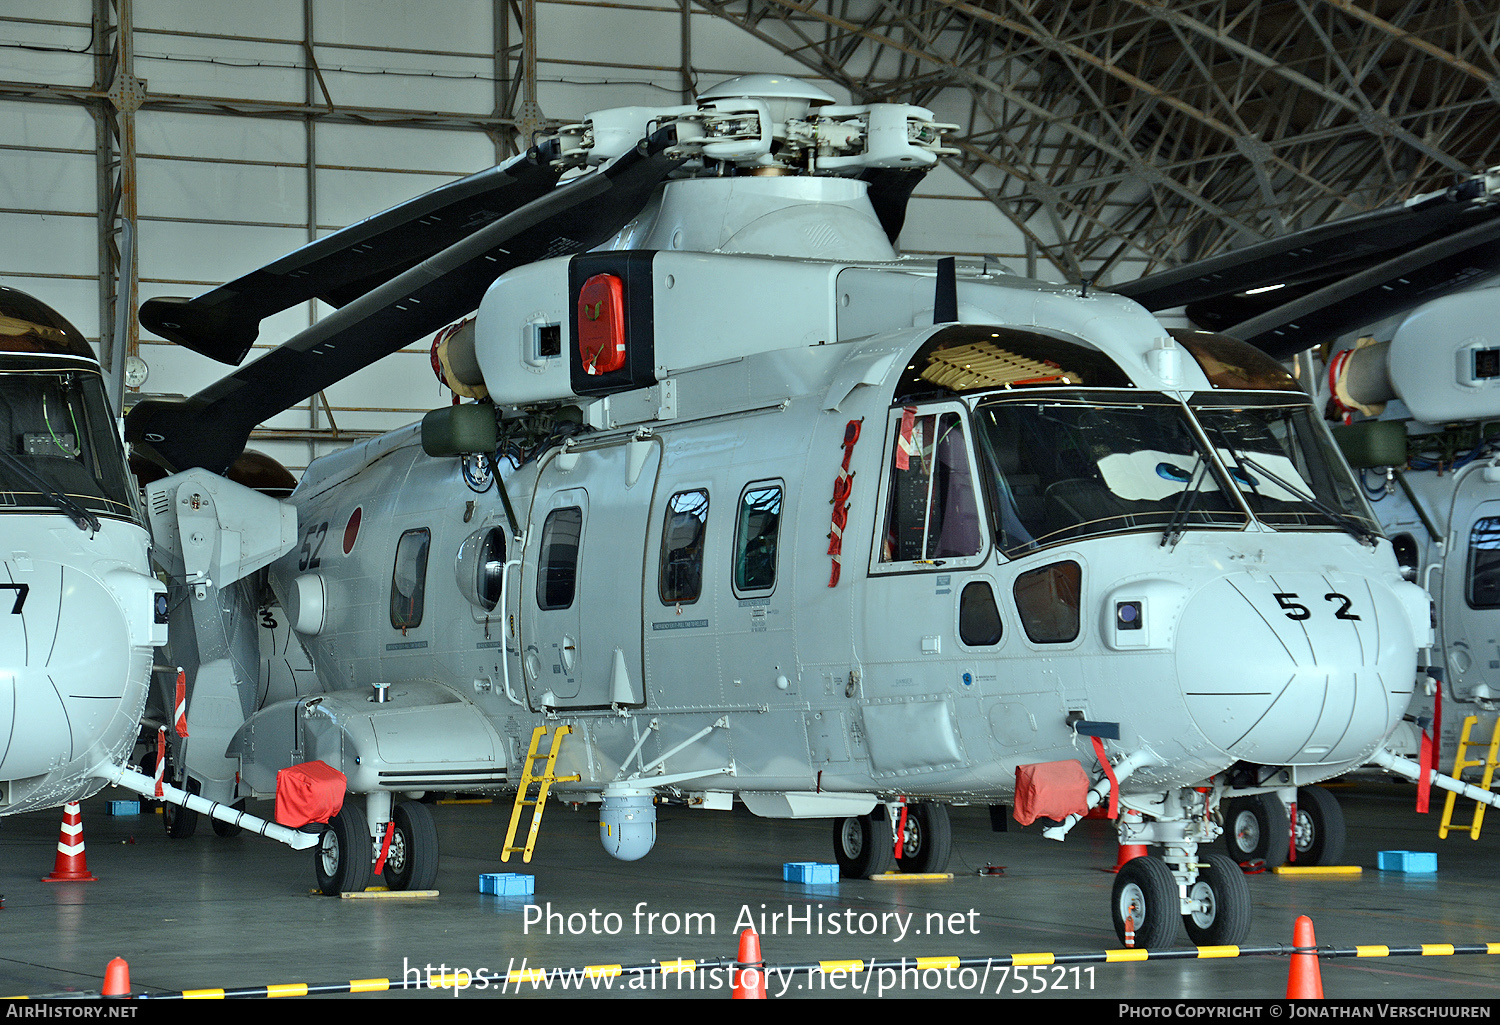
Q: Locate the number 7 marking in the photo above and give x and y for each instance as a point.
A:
(22, 590)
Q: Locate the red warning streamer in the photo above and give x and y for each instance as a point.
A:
(180, 722)
(385, 847)
(843, 484)
(1109, 772)
(161, 756)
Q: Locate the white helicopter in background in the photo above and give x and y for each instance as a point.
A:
(74, 564)
(746, 507)
(81, 609)
(1418, 399)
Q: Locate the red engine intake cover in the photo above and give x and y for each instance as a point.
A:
(601, 324)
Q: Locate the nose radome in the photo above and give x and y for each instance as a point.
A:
(64, 692)
(1295, 669)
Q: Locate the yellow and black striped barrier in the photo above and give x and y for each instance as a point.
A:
(514, 979)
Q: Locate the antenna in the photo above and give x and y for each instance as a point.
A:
(945, 303)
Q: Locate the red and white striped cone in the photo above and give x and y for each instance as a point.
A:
(72, 864)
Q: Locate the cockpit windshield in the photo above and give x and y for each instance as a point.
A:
(1067, 466)
(1072, 466)
(59, 448)
(1283, 463)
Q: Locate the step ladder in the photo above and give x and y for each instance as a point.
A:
(1460, 763)
(546, 779)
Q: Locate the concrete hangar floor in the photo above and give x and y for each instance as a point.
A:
(237, 913)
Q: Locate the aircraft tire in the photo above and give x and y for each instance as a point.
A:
(928, 843)
(864, 845)
(1146, 893)
(412, 861)
(342, 857)
(1320, 831)
(1257, 828)
(179, 822)
(1225, 921)
(228, 829)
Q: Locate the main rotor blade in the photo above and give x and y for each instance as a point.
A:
(338, 268)
(210, 429)
(1384, 290)
(1339, 248)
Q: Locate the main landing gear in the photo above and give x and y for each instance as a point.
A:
(351, 843)
(865, 845)
(1261, 828)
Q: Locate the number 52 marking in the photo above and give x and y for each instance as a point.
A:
(1296, 611)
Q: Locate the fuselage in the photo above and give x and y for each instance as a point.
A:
(1011, 561)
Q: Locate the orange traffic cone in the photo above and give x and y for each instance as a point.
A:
(1303, 981)
(116, 979)
(750, 979)
(71, 865)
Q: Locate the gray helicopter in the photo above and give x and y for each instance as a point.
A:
(743, 506)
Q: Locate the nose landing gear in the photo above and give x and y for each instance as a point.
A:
(1209, 895)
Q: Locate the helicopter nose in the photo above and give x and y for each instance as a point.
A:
(72, 676)
(1296, 669)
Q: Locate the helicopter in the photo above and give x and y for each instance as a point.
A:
(734, 504)
(1413, 405)
(78, 562)
(76, 558)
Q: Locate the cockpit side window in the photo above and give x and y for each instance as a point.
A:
(932, 511)
(681, 576)
(409, 578)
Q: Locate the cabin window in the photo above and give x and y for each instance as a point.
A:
(557, 577)
(978, 616)
(1484, 563)
(681, 578)
(755, 536)
(1048, 600)
(931, 509)
(409, 578)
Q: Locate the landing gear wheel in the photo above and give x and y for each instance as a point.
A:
(180, 822)
(1146, 894)
(928, 840)
(864, 845)
(1319, 831)
(412, 861)
(1221, 904)
(228, 829)
(342, 857)
(1256, 829)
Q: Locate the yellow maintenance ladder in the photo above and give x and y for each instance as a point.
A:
(1460, 763)
(546, 779)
